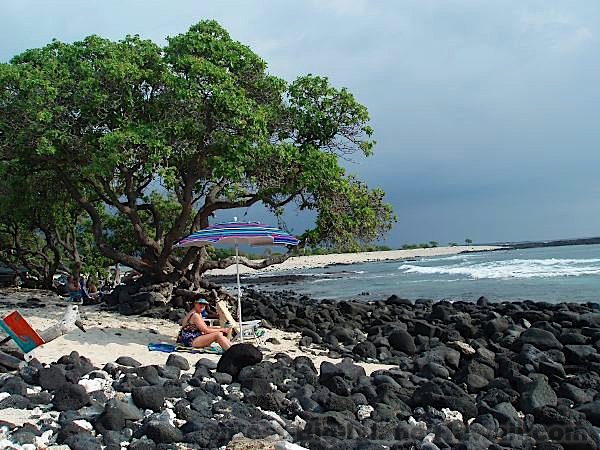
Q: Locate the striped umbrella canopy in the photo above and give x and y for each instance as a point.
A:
(252, 233)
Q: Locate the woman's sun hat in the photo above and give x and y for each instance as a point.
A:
(201, 300)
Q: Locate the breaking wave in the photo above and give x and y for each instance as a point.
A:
(512, 268)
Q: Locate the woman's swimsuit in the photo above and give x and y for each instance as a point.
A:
(187, 334)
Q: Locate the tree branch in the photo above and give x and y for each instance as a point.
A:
(98, 231)
(253, 264)
(158, 226)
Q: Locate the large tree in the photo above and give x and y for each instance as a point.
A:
(151, 142)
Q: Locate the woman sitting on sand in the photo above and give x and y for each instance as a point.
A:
(73, 289)
(195, 333)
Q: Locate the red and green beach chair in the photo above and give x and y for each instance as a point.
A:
(21, 332)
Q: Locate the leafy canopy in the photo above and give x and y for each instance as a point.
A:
(150, 142)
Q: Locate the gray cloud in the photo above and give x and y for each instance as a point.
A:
(485, 112)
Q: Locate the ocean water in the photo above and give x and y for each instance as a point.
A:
(554, 274)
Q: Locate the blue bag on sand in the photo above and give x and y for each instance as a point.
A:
(171, 348)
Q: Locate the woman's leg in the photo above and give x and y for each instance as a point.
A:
(206, 339)
(217, 336)
(223, 341)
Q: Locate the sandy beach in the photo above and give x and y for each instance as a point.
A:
(316, 261)
(110, 335)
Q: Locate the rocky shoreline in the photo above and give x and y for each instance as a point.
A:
(466, 376)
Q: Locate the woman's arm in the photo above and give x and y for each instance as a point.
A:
(186, 319)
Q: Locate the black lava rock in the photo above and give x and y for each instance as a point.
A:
(402, 341)
(163, 432)
(117, 415)
(178, 361)
(51, 378)
(127, 361)
(238, 357)
(149, 397)
(70, 397)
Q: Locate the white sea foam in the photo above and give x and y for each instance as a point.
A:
(513, 268)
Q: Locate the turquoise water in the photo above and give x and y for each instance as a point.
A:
(570, 273)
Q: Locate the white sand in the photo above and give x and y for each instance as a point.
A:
(110, 335)
(316, 261)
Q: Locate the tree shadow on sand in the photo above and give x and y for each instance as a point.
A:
(116, 335)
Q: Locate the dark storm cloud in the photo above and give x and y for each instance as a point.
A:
(485, 112)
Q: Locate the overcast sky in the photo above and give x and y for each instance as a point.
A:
(485, 112)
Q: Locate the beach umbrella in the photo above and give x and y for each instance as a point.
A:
(236, 233)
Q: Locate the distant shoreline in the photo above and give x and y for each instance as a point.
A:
(552, 243)
(321, 261)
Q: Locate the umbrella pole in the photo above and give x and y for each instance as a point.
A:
(237, 270)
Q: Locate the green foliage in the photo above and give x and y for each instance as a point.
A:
(468, 241)
(308, 251)
(430, 244)
(147, 143)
